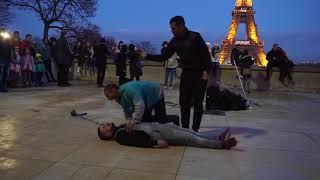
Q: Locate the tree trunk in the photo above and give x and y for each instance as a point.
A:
(46, 30)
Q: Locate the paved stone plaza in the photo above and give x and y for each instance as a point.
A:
(39, 139)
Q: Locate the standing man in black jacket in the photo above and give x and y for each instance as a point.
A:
(5, 58)
(194, 61)
(101, 53)
(63, 57)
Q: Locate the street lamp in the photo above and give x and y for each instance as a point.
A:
(5, 35)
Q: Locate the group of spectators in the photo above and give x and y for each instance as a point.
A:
(276, 57)
(26, 63)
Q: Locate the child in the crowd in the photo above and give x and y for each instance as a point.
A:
(39, 68)
(27, 67)
(15, 67)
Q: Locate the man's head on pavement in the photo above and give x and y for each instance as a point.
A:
(111, 91)
(106, 132)
(177, 25)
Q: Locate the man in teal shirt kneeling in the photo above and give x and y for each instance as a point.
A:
(138, 99)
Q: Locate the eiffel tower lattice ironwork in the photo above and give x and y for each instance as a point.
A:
(244, 13)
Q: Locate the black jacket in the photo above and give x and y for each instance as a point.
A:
(101, 52)
(235, 56)
(121, 64)
(136, 138)
(192, 50)
(135, 64)
(246, 61)
(5, 52)
(62, 53)
(276, 55)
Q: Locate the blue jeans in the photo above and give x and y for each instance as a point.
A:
(170, 73)
(4, 71)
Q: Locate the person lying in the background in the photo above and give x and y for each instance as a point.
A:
(149, 135)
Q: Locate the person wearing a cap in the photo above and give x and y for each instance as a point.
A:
(170, 65)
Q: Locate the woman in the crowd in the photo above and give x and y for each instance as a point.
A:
(78, 53)
(15, 67)
(135, 64)
(121, 64)
(92, 61)
(27, 67)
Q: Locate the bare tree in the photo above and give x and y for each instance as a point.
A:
(58, 14)
(5, 14)
(89, 32)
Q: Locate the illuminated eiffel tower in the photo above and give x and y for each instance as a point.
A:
(244, 13)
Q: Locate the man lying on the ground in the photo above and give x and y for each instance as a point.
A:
(138, 99)
(150, 135)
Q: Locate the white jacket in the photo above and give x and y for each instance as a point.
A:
(173, 61)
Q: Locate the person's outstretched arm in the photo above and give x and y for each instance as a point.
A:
(165, 54)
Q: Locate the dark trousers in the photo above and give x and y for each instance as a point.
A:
(271, 64)
(4, 70)
(122, 80)
(160, 114)
(192, 92)
(137, 77)
(101, 73)
(285, 70)
(13, 79)
(39, 77)
(63, 70)
(49, 73)
(27, 77)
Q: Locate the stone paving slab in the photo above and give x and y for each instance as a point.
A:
(40, 140)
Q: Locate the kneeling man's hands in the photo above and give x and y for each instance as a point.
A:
(129, 127)
(162, 143)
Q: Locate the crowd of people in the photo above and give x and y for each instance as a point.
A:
(276, 57)
(25, 63)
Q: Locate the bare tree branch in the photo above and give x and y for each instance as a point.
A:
(5, 14)
(58, 14)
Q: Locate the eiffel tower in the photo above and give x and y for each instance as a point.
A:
(244, 13)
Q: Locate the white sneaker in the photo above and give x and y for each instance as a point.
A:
(165, 87)
(170, 87)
